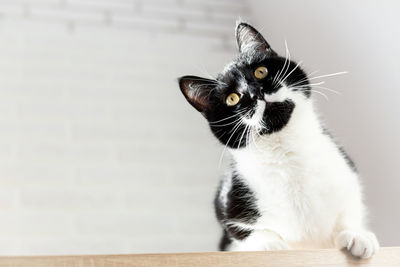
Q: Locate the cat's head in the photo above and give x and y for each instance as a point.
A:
(255, 94)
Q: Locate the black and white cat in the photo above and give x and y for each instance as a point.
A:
(288, 185)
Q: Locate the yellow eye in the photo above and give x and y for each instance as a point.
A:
(232, 99)
(261, 73)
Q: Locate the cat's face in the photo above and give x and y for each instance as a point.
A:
(254, 95)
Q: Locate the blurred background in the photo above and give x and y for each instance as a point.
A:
(100, 152)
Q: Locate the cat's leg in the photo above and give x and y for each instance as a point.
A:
(353, 236)
(259, 240)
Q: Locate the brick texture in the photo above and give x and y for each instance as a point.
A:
(99, 151)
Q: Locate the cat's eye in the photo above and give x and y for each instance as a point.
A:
(232, 99)
(261, 73)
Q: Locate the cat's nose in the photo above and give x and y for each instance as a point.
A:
(256, 92)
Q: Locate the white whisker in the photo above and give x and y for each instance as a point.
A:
(226, 124)
(287, 58)
(328, 75)
(318, 92)
(308, 84)
(285, 66)
(329, 89)
(283, 80)
(241, 111)
(240, 140)
(234, 129)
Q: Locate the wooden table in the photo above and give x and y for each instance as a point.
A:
(386, 257)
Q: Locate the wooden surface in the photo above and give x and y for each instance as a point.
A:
(326, 257)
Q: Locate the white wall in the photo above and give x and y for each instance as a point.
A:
(99, 151)
(361, 37)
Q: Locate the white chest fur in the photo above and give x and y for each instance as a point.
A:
(300, 180)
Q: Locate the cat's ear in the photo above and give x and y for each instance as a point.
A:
(249, 39)
(197, 91)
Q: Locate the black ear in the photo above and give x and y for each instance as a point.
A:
(249, 40)
(197, 91)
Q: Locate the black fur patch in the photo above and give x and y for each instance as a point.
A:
(238, 233)
(224, 242)
(240, 207)
(277, 115)
(241, 202)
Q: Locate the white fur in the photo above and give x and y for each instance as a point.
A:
(281, 95)
(307, 195)
(226, 187)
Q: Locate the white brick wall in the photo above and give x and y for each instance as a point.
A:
(99, 152)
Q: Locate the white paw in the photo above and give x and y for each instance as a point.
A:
(361, 244)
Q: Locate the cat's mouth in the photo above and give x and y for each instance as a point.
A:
(255, 118)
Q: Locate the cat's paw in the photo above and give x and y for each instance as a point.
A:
(361, 244)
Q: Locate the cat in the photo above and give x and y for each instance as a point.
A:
(288, 184)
